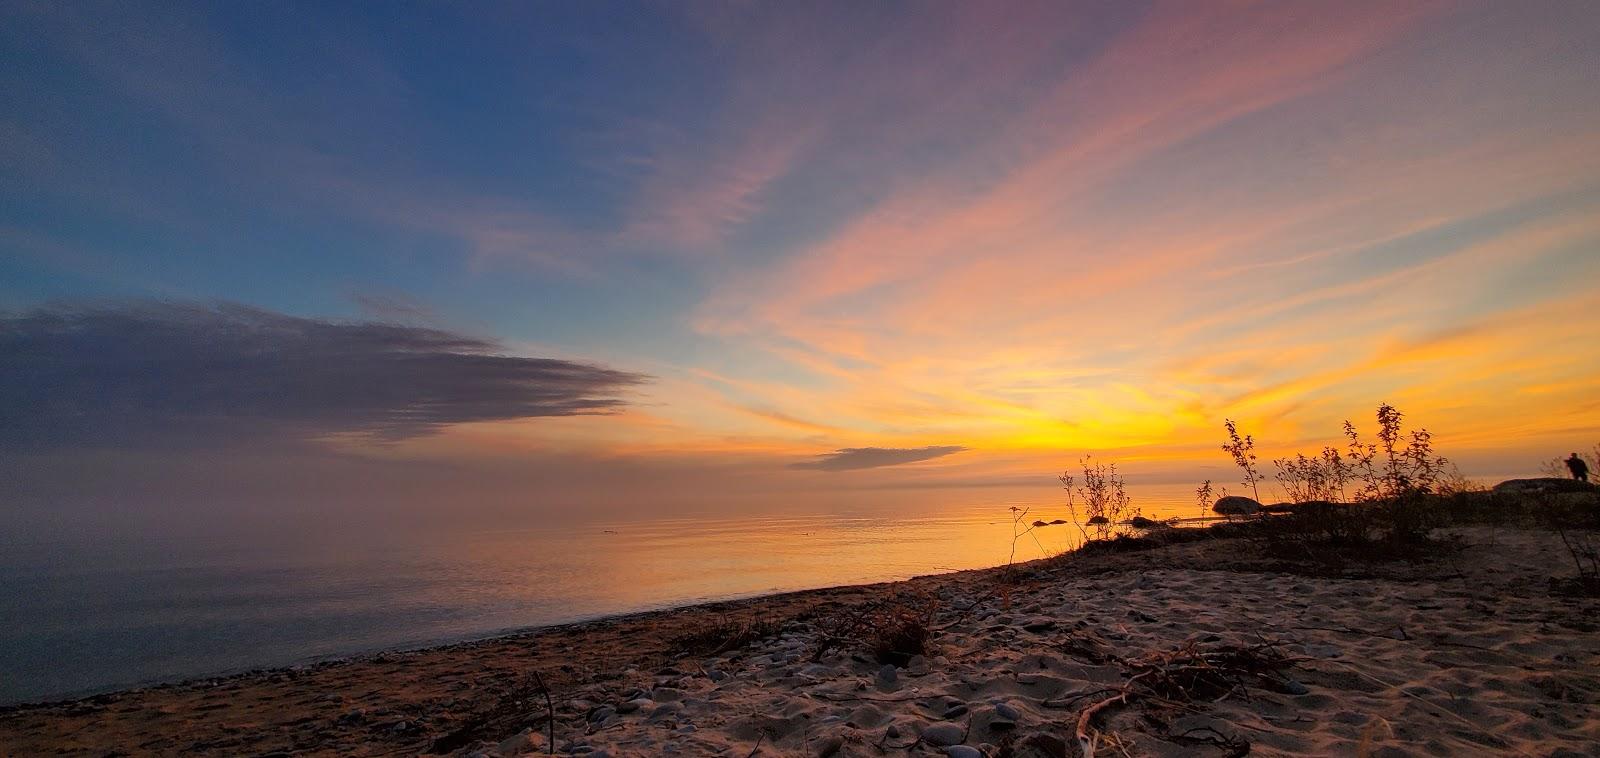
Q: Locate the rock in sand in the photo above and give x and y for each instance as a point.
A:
(944, 734)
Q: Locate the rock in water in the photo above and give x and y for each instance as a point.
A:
(1236, 505)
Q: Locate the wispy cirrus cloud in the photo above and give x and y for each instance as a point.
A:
(1257, 179)
(851, 458)
(191, 374)
(1020, 225)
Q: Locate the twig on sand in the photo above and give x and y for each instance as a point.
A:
(1066, 701)
(1088, 739)
(550, 711)
(1177, 678)
(1235, 747)
(759, 739)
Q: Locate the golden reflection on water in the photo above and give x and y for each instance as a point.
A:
(101, 618)
(611, 568)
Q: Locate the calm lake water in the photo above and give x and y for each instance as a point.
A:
(93, 617)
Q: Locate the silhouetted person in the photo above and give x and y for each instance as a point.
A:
(1579, 469)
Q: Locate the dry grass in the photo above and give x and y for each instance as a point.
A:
(894, 628)
(723, 634)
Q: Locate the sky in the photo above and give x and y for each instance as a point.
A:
(649, 256)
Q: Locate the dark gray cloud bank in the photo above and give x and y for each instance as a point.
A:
(874, 457)
(156, 372)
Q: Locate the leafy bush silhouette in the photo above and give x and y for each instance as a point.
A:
(1368, 491)
(1107, 507)
(1243, 451)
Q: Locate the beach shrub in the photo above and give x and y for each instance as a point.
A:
(1352, 500)
(1317, 532)
(1410, 473)
(527, 701)
(1452, 483)
(1021, 528)
(723, 634)
(1575, 517)
(903, 630)
(1408, 518)
(1104, 496)
(1202, 495)
(895, 628)
(1243, 451)
(1583, 547)
(1313, 478)
(1399, 464)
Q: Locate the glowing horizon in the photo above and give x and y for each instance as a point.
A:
(969, 243)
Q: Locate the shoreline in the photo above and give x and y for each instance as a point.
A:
(686, 616)
(493, 634)
(1001, 667)
(469, 639)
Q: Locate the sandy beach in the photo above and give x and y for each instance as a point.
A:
(1183, 649)
(1003, 379)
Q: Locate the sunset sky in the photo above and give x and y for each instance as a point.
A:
(583, 253)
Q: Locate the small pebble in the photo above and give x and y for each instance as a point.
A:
(1293, 687)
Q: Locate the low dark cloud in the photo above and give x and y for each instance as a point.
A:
(874, 457)
(390, 307)
(197, 373)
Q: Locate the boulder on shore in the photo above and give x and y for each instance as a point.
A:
(1236, 505)
(1542, 486)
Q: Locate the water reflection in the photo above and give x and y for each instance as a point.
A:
(94, 617)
